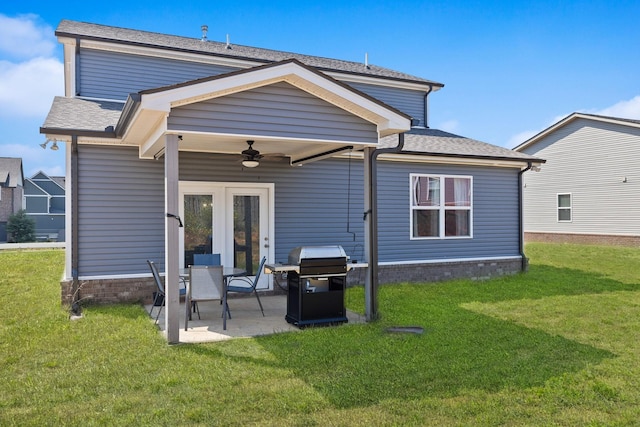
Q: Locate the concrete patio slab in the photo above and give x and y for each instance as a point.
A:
(246, 319)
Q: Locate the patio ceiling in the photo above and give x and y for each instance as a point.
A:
(146, 124)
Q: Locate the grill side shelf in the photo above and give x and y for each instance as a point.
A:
(285, 268)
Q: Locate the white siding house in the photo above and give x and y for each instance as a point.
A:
(588, 190)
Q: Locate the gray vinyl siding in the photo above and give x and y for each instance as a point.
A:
(276, 110)
(37, 204)
(33, 190)
(57, 204)
(50, 187)
(588, 159)
(49, 224)
(111, 75)
(494, 210)
(122, 215)
(408, 101)
(317, 204)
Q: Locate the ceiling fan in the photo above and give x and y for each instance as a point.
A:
(251, 157)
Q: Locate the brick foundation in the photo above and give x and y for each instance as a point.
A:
(438, 272)
(583, 239)
(110, 291)
(140, 290)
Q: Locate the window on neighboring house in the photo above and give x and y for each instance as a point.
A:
(564, 207)
(441, 206)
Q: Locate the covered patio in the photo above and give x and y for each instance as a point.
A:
(195, 117)
(291, 111)
(246, 322)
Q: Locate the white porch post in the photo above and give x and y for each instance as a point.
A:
(370, 239)
(171, 263)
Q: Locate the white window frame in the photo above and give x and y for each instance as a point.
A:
(569, 208)
(442, 208)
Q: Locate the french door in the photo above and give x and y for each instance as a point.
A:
(234, 220)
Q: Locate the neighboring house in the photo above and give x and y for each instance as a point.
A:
(11, 190)
(44, 202)
(588, 190)
(155, 127)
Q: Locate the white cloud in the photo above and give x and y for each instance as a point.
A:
(624, 109)
(450, 126)
(27, 88)
(30, 76)
(521, 137)
(628, 109)
(49, 161)
(24, 37)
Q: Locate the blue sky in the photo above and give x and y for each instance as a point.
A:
(510, 68)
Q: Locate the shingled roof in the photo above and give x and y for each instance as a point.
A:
(105, 33)
(438, 143)
(82, 115)
(11, 174)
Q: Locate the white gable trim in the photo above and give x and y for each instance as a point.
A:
(388, 122)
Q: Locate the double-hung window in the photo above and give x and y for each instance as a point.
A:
(564, 207)
(441, 206)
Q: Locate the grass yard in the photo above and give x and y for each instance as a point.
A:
(558, 345)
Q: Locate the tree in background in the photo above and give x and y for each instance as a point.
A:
(21, 228)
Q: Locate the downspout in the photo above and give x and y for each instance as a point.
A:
(76, 71)
(371, 293)
(75, 287)
(524, 262)
(426, 106)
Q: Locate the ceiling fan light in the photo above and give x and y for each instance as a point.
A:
(250, 163)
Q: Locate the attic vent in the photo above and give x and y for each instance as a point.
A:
(204, 29)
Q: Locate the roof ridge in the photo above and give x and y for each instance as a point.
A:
(237, 51)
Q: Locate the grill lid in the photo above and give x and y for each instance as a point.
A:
(315, 252)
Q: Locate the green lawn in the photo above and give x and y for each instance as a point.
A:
(558, 345)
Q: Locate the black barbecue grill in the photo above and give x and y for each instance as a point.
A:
(316, 278)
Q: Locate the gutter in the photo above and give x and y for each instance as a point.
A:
(107, 133)
(525, 263)
(470, 156)
(371, 291)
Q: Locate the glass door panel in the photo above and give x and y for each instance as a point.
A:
(233, 220)
(246, 233)
(248, 222)
(198, 225)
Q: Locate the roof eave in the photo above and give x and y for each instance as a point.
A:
(108, 134)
